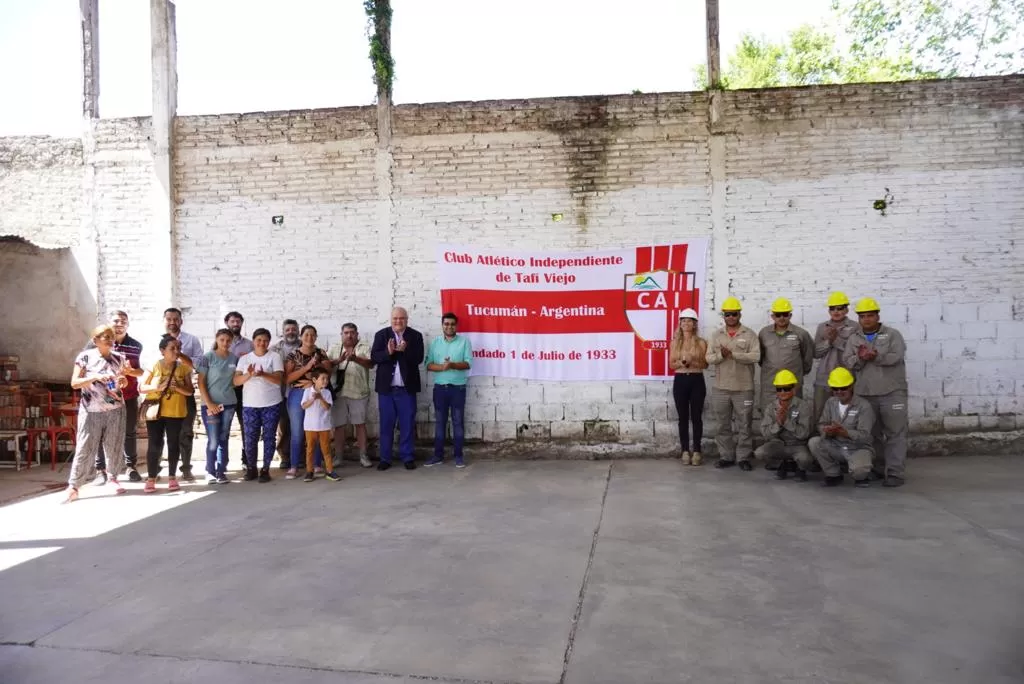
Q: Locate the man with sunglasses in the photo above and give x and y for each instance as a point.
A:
(784, 346)
(877, 353)
(845, 430)
(785, 426)
(829, 344)
(733, 350)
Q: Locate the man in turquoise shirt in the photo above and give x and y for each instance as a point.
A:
(448, 358)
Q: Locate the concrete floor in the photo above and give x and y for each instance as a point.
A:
(579, 572)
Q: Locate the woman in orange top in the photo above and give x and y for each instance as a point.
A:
(686, 358)
(168, 382)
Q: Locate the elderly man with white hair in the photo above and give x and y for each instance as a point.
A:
(397, 352)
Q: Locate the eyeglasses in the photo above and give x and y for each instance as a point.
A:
(731, 314)
(782, 315)
(780, 390)
(837, 390)
(838, 308)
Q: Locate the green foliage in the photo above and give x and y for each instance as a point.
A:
(378, 31)
(884, 40)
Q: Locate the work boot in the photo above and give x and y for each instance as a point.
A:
(893, 481)
(782, 472)
(863, 482)
(801, 475)
(768, 465)
(745, 466)
(687, 458)
(722, 463)
(832, 481)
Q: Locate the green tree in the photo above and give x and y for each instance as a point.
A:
(943, 38)
(807, 56)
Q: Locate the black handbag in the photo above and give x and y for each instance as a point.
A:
(338, 380)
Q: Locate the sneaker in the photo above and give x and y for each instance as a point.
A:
(318, 470)
(211, 478)
(333, 476)
(364, 461)
(309, 477)
(434, 460)
(687, 458)
(101, 478)
(862, 483)
(72, 495)
(697, 459)
(832, 481)
(801, 475)
(383, 465)
(265, 475)
(780, 473)
(187, 476)
(459, 463)
(290, 475)
(722, 463)
(893, 481)
(222, 479)
(410, 465)
(150, 486)
(118, 489)
(133, 476)
(745, 466)
(250, 474)
(172, 484)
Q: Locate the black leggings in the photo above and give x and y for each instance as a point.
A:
(155, 430)
(689, 390)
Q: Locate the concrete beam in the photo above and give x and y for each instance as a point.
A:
(165, 106)
(714, 51)
(90, 14)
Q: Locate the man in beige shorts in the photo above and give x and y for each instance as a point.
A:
(352, 398)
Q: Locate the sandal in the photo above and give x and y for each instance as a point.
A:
(72, 495)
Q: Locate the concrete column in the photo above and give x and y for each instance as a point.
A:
(714, 52)
(384, 175)
(165, 106)
(86, 251)
(720, 233)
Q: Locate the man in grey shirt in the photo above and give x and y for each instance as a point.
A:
(288, 343)
(240, 346)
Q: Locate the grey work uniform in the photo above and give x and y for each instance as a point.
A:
(830, 357)
(856, 450)
(789, 440)
(883, 383)
(791, 349)
(733, 395)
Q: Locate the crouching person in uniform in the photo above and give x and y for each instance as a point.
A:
(786, 425)
(845, 433)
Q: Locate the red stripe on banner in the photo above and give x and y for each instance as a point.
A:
(538, 313)
(644, 259)
(678, 260)
(661, 253)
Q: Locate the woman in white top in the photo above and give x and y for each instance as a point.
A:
(259, 375)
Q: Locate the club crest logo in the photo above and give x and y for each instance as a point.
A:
(653, 301)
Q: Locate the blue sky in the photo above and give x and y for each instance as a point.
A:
(257, 55)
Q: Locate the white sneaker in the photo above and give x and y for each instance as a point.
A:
(210, 478)
(364, 461)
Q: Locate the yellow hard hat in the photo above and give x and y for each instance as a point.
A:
(838, 299)
(732, 304)
(784, 378)
(840, 377)
(782, 305)
(867, 304)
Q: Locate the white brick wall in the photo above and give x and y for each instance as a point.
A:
(783, 182)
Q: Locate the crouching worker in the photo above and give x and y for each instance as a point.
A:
(845, 427)
(786, 425)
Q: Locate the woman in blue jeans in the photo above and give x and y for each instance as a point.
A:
(298, 367)
(216, 385)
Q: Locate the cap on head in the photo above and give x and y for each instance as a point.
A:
(732, 304)
(782, 305)
(867, 305)
(840, 377)
(688, 313)
(838, 299)
(784, 378)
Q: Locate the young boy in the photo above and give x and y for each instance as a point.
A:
(316, 402)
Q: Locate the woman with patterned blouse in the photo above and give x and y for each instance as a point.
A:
(298, 367)
(99, 375)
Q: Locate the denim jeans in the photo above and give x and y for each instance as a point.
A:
(218, 428)
(297, 448)
(449, 398)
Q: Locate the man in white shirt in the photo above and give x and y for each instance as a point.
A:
(191, 351)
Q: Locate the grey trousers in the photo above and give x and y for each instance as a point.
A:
(95, 428)
(188, 433)
(775, 451)
(891, 431)
(831, 455)
(734, 442)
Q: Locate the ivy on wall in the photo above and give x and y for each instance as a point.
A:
(378, 30)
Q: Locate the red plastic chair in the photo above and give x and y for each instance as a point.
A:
(53, 431)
